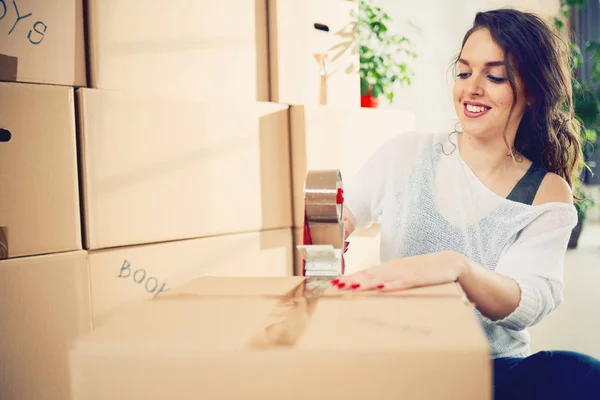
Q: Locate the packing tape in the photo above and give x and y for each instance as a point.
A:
(323, 195)
(291, 316)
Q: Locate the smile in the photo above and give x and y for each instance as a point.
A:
(475, 110)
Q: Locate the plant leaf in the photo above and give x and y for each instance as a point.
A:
(376, 90)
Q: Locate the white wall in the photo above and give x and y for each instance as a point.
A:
(443, 24)
(546, 8)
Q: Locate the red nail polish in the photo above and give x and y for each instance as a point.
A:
(335, 281)
(355, 286)
(380, 286)
(341, 285)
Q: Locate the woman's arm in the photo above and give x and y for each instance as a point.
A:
(495, 295)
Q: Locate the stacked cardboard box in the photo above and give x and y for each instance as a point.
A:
(44, 280)
(112, 196)
(181, 151)
(211, 180)
(183, 156)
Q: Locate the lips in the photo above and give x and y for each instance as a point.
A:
(475, 110)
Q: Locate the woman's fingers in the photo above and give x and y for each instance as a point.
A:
(363, 280)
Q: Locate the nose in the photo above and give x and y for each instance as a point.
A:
(473, 86)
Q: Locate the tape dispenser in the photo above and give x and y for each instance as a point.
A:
(323, 241)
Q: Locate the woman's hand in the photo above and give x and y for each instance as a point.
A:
(409, 272)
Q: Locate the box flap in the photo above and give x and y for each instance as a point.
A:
(236, 286)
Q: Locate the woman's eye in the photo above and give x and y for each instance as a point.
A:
(495, 79)
(463, 75)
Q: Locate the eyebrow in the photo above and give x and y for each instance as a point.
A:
(487, 64)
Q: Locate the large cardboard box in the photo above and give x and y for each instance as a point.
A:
(362, 253)
(158, 168)
(189, 47)
(327, 137)
(313, 52)
(127, 275)
(42, 42)
(39, 200)
(44, 305)
(286, 338)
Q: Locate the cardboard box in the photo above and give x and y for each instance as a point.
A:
(327, 137)
(39, 204)
(362, 253)
(184, 47)
(42, 42)
(313, 52)
(130, 274)
(49, 300)
(45, 304)
(209, 339)
(157, 168)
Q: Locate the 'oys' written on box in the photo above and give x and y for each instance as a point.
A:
(10, 13)
(140, 277)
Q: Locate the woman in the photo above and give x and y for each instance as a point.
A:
(490, 207)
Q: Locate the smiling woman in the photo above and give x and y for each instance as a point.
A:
(481, 89)
(490, 206)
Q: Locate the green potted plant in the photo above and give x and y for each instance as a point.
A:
(587, 110)
(383, 55)
(586, 99)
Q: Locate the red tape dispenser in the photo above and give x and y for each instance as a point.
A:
(323, 244)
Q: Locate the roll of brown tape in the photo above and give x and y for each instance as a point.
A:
(323, 243)
(323, 196)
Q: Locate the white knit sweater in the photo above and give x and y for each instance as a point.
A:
(427, 200)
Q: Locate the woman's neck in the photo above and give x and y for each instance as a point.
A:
(485, 156)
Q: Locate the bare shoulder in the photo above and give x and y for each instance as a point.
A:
(553, 189)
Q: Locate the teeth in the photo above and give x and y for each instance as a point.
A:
(476, 109)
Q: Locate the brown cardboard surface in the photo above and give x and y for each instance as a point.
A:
(122, 276)
(3, 243)
(328, 137)
(298, 75)
(42, 42)
(159, 168)
(39, 204)
(44, 304)
(198, 342)
(237, 286)
(180, 46)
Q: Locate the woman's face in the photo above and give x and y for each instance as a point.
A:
(482, 94)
